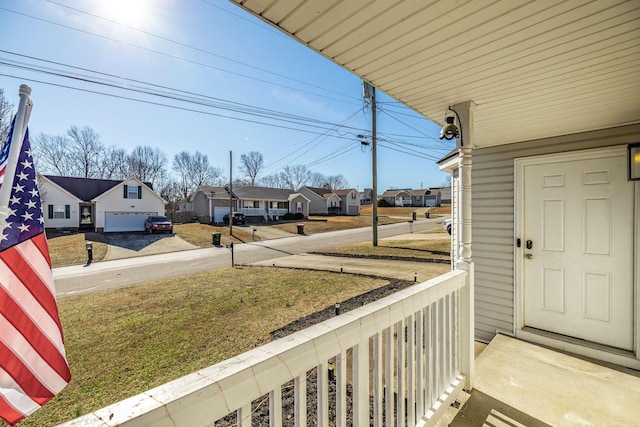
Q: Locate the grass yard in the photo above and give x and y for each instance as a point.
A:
(323, 224)
(122, 342)
(200, 234)
(437, 246)
(70, 249)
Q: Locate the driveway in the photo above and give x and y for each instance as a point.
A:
(127, 245)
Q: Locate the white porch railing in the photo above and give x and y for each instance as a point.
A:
(277, 212)
(398, 357)
(253, 211)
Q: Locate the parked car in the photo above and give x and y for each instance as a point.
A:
(158, 223)
(447, 225)
(238, 218)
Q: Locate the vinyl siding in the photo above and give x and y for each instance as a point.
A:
(494, 218)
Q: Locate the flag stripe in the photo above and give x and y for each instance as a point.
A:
(15, 396)
(22, 376)
(31, 252)
(32, 281)
(40, 343)
(23, 298)
(22, 363)
(9, 413)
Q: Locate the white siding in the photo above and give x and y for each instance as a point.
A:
(494, 216)
(52, 195)
(114, 201)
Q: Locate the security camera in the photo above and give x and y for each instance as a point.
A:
(449, 130)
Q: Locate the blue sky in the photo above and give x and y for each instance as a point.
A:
(240, 85)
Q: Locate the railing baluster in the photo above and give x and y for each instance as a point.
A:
(388, 376)
(411, 371)
(341, 389)
(275, 407)
(361, 384)
(451, 374)
(300, 399)
(400, 367)
(428, 318)
(439, 349)
(244, 416)
(323, 394)
(456, 316)
(420, 363)
(378, 390)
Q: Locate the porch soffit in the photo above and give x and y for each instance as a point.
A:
(535, 69)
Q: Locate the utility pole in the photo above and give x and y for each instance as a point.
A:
(370, 92)
(230, 194)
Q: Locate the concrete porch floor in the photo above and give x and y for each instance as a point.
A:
(522, 384)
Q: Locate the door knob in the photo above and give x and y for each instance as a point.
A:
(528, 256)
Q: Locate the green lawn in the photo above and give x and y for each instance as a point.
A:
(125, 341)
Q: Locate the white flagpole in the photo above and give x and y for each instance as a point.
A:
(19, 130)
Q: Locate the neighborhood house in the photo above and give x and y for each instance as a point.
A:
(258, 204)
(102, 205)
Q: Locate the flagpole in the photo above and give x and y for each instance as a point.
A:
(19, 130)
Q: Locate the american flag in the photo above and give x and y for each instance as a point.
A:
(33, 364)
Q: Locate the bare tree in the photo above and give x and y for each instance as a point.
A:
(277, 180)
(6, 115)
(114, 164)
(251, 164)
(86, 151)
(316, 179)
(193, 171)
(51, 156)
(296, 176)
(337, 182)
(147, 164)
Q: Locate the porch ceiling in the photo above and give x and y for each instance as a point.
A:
(534, 68)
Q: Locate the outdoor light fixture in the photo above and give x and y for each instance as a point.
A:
(450, 130)
(633, 155)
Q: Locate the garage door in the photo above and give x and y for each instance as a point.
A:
(219, 213)
(125, 221)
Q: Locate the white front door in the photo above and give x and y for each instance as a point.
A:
(577, 247)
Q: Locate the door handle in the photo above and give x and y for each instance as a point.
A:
(528, 256)
(529, 244)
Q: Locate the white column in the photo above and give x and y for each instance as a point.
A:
(465, 115)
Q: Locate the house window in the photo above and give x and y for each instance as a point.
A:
(59, 211)
(133, 192)
(298, 206)
(353, 196)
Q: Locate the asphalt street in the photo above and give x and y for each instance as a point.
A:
(79, 279)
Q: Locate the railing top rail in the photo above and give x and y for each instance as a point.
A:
(237, 381)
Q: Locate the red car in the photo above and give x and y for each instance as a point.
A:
(158, 223)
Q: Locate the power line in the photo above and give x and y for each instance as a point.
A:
(169, 106)
(157, 52)
(226, 105)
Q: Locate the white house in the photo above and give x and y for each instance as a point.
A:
(100, 205)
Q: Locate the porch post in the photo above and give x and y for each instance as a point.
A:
(464, 259)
